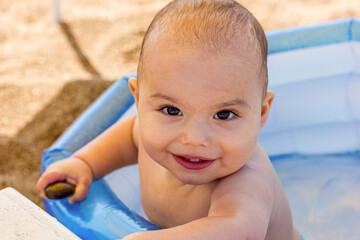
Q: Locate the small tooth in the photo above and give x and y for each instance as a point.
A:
(195, 160)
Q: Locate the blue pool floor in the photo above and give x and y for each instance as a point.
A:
(324, 194)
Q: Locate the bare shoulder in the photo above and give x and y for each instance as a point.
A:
(252, 196)
(257, 175)
(253, 182)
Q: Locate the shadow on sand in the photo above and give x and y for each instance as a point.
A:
(20, 155)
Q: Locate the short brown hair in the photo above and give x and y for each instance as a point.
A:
(220, 25)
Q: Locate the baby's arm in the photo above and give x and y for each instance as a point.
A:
(112, 149)
(241, 206)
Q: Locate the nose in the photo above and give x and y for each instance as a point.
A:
(196, 133)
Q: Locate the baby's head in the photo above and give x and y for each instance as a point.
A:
(212, 26)
(201, 89)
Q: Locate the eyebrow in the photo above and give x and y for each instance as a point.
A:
(163, 96)
(236, 102)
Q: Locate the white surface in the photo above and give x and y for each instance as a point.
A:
(22, 219)
(316, 106)
(314, 62)
(124, 182)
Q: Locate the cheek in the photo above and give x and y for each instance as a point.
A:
(237, 153)
(153, 137)
(240, 148)
(239, 143)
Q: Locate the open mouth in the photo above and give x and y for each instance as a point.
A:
(192, 163)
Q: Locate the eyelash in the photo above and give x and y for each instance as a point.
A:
(228, 111)
(165, 110)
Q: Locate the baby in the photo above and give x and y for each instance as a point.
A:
(202, 99)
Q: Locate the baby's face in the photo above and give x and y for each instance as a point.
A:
(199, 114)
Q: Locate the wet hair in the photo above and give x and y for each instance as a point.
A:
(217, 26)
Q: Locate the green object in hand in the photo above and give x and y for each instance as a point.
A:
(59, 190)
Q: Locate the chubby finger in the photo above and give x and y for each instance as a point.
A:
(48, 178)
(81, 191)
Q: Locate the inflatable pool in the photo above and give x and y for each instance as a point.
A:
(312, 137)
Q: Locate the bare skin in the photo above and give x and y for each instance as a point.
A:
(202, 173)
(216, 199)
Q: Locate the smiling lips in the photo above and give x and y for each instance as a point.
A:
(192, 163)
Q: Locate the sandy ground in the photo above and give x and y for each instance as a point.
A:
(50, 72)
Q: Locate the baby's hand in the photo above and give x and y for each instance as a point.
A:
(72, 170)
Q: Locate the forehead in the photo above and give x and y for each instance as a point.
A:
(241, 51)
(199, 72)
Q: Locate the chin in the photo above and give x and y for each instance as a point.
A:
(194, 179)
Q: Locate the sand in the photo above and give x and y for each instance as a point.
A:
(51, 72)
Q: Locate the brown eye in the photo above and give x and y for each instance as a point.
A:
(172, 111)
(224, 115)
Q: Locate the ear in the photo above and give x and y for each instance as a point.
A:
(266, 105)
(134, 88)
